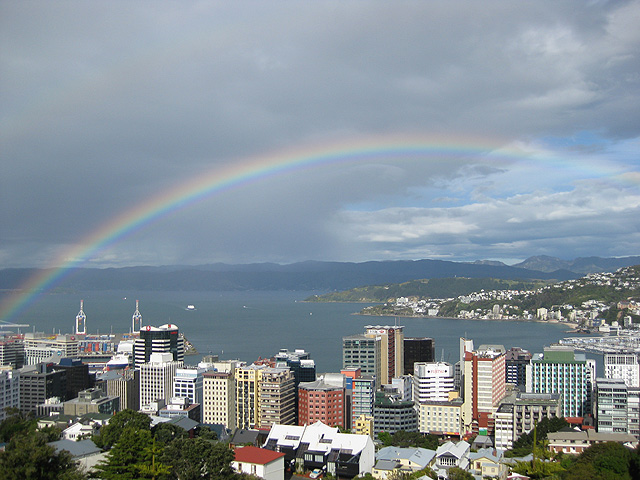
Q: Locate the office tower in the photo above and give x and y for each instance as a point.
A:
(78, 376)
(219, 399)
(484, 387)
(432, 382)
(516, 361)
(163, 339)
(418, 350)
(277, 397)
(392, 414)
(299, 362)
(560, 370)
(391, 350)
(9, 390)
(248, 395)
(40, 347)
(188, 383)
(612, 406)
(124, 384)
(92, 400)
(360, 351)
(322, 400)
(624, 366)
(38, 383)
(12, 351)
(363, 396)
(156, 378)
(404, 386)
(520, 412)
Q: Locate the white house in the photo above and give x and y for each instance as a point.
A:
(260, 462)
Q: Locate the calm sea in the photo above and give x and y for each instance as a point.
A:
(248, 325)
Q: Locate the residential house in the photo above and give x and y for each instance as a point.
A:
(260, 462)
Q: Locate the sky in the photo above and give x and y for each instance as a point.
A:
(374, 130)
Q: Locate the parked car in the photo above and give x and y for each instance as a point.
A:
(317, 473)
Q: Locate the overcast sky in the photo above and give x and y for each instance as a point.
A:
(105, 105)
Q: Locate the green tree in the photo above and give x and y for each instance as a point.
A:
(386, 438)
(608, 460)
(406, 439)
(111, 432)
(196, 458)
(127, 456)
(456, 473)
(165, 432)
(524, 445)
(14, 423)
(27, 456)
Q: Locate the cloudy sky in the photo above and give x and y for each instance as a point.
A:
(525, 118)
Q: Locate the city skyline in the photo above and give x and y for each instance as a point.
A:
(200, 133)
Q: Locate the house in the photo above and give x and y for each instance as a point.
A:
(407, 460)
(576, 442)
(84, 452)
(78, 431)
(449, 455)
(319, 446)
(487, 462)
(243, 436)
(261, 462)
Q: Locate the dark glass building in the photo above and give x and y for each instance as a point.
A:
(418, 350)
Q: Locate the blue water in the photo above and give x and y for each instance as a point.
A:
(248, 325)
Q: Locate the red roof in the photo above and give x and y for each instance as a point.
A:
(256, 455)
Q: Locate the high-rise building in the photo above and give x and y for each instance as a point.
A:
(391, 350)
(363, 352)
(363, 396)
(38, 383)
(516, 361)
(432, 382)
(277, 397)
(299, 362)
(188, 383)
(12, 351)
(441, 418)
(219, 399)
(560, 370)
(156, 378)
(392, 414)
(612, 406)
(418, 350)
(248, 395)
(40, 347)
(322, 400)
(124, 384)
(624, 366)
(9, 390)
(78, 376)
(163, 339)
(484, 387)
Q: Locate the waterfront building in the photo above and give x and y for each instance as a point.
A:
(92, 400)
(322, 400)
(624, 366)
(560, 370)
(363, 352)
(12, 351)
(9, 390)
(219, 394)
(484, 387)
(39, 347)
(156, 378)
(441, 418)
(38, 383)
(392, 414)
(277, 397)
(432, 382)
(516, 361)
(124, 384)
(519, 412)
(418, 350)
(391, 350)
(163, 339)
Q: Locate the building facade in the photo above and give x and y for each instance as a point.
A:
(219, 399)
(432, 382)
(441, 418)
(156, 378)
(418, 350)
(277, 397)
(360, 351)
(322, 401)
(163, 339)
(516, 361)
(391, 350)
(392, 414)
(624, 366)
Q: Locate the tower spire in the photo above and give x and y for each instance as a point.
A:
(136, 320)
(81, 320)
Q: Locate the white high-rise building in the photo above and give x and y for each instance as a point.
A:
(432, 381)
(9, 390)
(187, 383)
(39, 347)
(219, 399)
(622, 366)
(156, 378)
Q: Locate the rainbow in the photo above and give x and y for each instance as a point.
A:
(251, 170)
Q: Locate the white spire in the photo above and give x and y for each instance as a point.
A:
(136, 320)
(81, 320)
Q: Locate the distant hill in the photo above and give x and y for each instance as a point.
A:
(309, 276)
(582, 266)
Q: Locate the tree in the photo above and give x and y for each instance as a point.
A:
(196, 458)
(166, 432)
(111, 432)
(27, 456)
(127, 456)
(16, 422)
(456, 473)
(607, 460)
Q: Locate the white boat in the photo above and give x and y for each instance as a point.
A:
(118, 362)
(191, 307)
